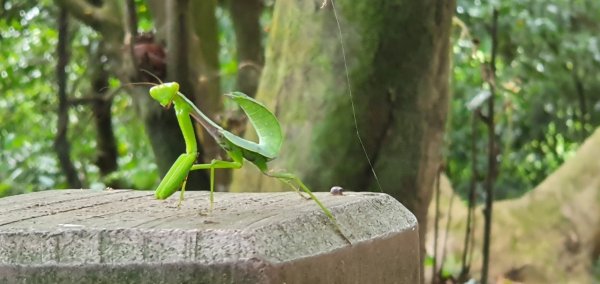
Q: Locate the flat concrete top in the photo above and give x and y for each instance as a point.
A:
(124, 226)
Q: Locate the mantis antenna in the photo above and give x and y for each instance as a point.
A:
(151, 74)
(339, 28)
(143, 83)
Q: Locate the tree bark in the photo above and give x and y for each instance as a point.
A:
(61, 143)
(549, 235)
(490, 178)
(107, 145)
(203, 60)
(177, 39)
(581, 98)
(245, 15)
(398, 60)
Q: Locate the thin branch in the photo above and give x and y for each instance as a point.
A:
(582, 103)
(178, 41)
(94, 99)
(131, 34)
(489, 198)
(446, 233)
(132, 23)
(95, 17)
(434, 275)
(466, 262)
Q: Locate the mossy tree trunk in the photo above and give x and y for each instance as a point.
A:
(398, 60)
(549, 235)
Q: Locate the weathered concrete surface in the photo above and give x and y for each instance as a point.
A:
(121, 236)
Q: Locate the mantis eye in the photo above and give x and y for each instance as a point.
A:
(164, 93)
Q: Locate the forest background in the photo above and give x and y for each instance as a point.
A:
(422, 82)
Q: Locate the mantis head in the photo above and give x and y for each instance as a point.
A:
(164, 93)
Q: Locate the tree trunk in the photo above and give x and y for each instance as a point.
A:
(549, 235)
(245, 15)
(61, 143)
(398, 60)
(105, 138)
(178, 70)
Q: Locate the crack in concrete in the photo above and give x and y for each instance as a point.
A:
(66, 210)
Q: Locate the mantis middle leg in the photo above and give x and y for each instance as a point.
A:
(215, 164)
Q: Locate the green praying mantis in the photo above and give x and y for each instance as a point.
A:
(270, 139)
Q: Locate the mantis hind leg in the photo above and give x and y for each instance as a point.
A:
(289, 179)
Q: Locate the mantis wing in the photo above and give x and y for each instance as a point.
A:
(270, 137)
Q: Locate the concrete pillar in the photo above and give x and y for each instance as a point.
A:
(123, 236)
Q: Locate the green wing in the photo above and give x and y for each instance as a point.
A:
(270, 137)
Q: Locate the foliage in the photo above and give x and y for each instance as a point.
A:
(547, 89)
(227, 52)
(28, 118)
(26, 161)
(548, 94)
(28, 102)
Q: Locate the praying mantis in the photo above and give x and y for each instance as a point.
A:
(270, 139)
